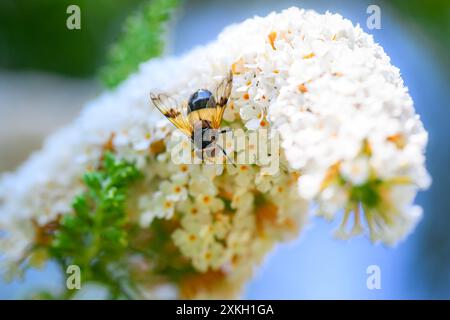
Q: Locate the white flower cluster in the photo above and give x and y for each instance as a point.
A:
(350, 139)
(346, 120)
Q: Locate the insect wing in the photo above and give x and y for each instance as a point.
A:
(222, 94)
(173, 111)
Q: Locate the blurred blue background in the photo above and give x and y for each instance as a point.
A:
(315, 266)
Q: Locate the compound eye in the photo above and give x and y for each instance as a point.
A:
(201, 99)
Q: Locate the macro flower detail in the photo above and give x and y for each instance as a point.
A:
(351, 148)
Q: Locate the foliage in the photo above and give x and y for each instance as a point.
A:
(33, 34)
(429, 20)
(142, 39)
(95, 236)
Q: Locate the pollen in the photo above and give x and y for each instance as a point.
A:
(330, 176)
(168, 204)
(366, 148)
(157, 147)
(295, 176)
(238, 67)
(309, 56)
(206, 199)
(246, 96)
(398, 140)
(302, 88)
(272, 36)
(225, 194)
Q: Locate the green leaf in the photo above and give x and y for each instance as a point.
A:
(94, 235)
(141, 40)
(80, 205)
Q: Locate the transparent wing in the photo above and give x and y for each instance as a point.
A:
(174, 111)
(222, 94)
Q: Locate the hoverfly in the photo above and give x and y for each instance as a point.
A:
(200, 118)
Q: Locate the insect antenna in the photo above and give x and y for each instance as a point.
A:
(226, 155)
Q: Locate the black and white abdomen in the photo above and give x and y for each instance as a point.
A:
(204, 137)
(201, 107)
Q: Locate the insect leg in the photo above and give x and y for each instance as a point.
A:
(226, 155)
(225, 130)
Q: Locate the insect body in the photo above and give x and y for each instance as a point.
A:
(200, 117)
